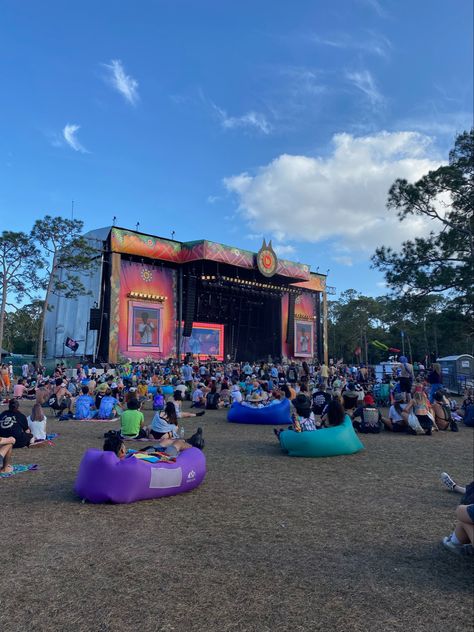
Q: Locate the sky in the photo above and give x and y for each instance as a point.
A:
(232, 121)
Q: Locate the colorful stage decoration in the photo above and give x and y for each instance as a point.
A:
(305, 326)
(206, 339)
(267, 261)
(304, 337)
(147, 311)
(130, 242)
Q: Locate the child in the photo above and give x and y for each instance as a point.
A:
(37, 423)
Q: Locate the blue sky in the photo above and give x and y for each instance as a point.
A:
(232, 120)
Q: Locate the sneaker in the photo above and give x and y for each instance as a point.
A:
(448, 481)
(453, 426)
(200, 413)
(457, 549)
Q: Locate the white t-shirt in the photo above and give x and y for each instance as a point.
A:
(197, 395)
(236, 396)
(38, 428)
(394, 416)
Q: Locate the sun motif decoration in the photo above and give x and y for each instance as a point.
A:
(147, 275)
(267, 260)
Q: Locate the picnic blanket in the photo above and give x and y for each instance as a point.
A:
(17, 469)
(109, 421)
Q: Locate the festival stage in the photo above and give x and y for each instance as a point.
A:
(159, 298)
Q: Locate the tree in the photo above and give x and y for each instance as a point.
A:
(67, 254)
(19, 265)
(21, 328)
(443, 262)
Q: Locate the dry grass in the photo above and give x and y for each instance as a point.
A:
(267, 543)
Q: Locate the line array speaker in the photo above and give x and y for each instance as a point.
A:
(94, 319)
(290, 329)
(189, 308)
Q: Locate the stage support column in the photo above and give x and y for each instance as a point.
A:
(325, 326)
(180, 315)
(114, 306)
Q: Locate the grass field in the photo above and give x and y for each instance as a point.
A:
(267, 543)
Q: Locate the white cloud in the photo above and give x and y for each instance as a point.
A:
(364, 82)
(255, 120)
(377, 6)
(69, 134)
(343, 260)
(120, 81)
(370, 42)
(340, 197)
(283, 250)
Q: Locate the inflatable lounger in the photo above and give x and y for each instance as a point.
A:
(333, 441)
(269, 415)
(103, 477)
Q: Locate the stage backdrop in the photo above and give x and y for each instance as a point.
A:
(147, 328)
(305, 327)
(206, 339)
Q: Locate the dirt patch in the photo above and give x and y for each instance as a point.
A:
(267, 543)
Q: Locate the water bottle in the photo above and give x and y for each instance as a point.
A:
(181, 432)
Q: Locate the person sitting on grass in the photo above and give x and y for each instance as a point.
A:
(37, 423)
(6, 447)
(109, 406)
(442, 412)
(367, 418)
(85, 405)
(164, 428)
(199, 401)
(213, 399)
(461, 539)
(132, 422)
(19, 390)
(467, 491)
(420, 407)
(397, 417)
(178, 401)
(13, 423)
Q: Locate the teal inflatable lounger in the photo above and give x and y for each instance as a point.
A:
(333, 441)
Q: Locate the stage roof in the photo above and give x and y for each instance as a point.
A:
(131, 242)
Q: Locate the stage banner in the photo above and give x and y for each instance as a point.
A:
(206, 339)
(305, 312)
(147, 311)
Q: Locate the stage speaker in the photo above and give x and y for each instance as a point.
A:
(189, 307)
(94, 319)
(290, 329)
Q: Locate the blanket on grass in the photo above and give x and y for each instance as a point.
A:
(17, 469)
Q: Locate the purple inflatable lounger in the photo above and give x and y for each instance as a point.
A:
(103, 477)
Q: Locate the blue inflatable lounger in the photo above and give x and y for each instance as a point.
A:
(334, 441)
(274, 415)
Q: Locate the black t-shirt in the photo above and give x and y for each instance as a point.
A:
(212, 401)
(14, 424)
(320, 401)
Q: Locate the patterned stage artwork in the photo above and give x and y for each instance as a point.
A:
(305, 311)
(146, 327)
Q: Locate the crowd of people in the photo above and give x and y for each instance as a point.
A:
(320, 395)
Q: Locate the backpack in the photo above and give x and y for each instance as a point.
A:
(370, 423)
(469, 415)
(158, 402)
(212, 401)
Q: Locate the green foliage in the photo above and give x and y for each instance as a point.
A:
(21, 328)
(443, 262)
(432, 327)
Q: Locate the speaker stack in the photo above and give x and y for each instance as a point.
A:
(189, 308)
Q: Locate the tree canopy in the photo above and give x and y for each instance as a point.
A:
(442, 262)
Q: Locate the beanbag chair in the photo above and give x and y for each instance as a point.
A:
(333, 441)
(268, 415)
(103, 477)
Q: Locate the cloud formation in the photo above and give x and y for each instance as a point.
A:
(340, 197)
(70, 136)
(364, 82)
(255, 120)
(120, 81)
(370, 42)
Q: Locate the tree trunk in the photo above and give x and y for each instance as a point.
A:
(39, 355)
(2, 312)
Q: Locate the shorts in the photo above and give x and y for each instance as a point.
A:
(397, 426)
